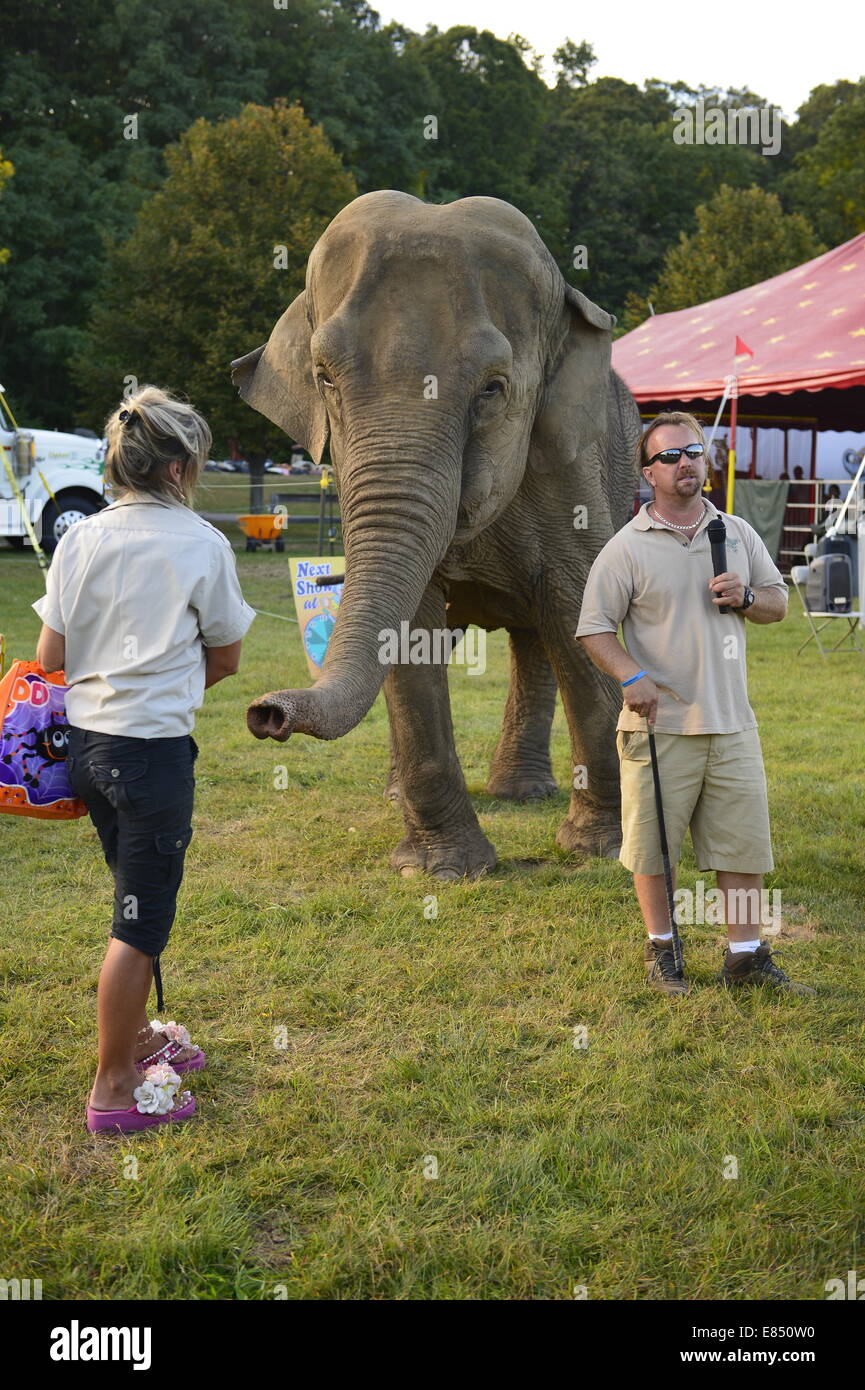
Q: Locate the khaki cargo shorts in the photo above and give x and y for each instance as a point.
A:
(714, 783)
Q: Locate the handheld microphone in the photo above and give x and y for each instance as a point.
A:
(717, 533)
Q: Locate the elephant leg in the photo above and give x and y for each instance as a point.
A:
(592, 704)
(521, 768)
(443, 837)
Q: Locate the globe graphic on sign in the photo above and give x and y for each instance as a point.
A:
(317, 635)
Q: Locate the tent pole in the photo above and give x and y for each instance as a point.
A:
(731, 464)
(786, 444)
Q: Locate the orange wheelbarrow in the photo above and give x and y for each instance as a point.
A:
(266, 529)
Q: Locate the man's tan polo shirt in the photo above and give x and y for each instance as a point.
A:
(655, 583)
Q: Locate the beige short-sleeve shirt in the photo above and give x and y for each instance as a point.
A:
(654, 583)
(138, 591)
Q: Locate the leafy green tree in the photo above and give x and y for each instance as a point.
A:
(51, 224)
(89, 95)
(214, 258)
(821, 103)
(743, 236)
(366, 90)
(629, 189)
(573, 61)
(827, 179)
(490, 110)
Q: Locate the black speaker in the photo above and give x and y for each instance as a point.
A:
(829, 587)
(835, 545)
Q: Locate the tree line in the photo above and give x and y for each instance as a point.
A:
(166, 169)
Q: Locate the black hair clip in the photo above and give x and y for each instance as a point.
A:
(128, 417)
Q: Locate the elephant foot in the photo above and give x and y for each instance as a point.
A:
(601, 839)
(467, 854)
(521, 786)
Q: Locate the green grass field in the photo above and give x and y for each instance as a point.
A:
(412, 1044)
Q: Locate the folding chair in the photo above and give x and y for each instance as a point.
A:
(799, 576)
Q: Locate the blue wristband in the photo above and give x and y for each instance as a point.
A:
(631, 680)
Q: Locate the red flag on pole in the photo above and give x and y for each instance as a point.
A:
(742, 349)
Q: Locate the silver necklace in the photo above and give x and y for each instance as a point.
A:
(675, 525)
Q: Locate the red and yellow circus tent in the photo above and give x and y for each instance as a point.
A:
(805, 330)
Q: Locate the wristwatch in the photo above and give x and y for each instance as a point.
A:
(749, 598)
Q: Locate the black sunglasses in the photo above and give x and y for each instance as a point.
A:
(692, 451)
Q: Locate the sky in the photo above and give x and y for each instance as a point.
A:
(779, 51)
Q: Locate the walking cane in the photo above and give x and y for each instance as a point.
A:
(665, 854)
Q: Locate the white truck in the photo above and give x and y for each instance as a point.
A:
(70, 464)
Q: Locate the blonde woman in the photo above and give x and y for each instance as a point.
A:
(144, 612)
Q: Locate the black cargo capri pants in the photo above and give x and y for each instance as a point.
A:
(140, 793)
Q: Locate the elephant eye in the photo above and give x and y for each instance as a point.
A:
(493, 388)
(322, 378)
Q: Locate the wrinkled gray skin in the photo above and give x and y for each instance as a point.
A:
(457, 508)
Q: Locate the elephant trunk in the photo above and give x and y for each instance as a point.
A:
(398, 520)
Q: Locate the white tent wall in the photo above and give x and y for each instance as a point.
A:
(831, 447)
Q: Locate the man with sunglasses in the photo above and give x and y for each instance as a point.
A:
(682, 669)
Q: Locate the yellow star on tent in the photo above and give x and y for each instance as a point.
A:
(708, 329)
(703, 346)
(778, 338)
(665, 365)
(833, 312)
(678, 374)
(803, 302)
(747, 311)
(811, 285)
(767, 321)
(857, 333)
(851, 266)
(643, 351)
(825, 354)
(698, 319)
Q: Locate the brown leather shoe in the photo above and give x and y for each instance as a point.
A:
(660, 966)
(757, 968)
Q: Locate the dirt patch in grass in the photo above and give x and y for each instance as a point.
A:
(796, 924)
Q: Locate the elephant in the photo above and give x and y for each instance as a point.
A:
(483, 452)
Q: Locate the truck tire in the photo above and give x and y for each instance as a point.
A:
(56, 519)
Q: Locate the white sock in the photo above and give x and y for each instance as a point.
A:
(737, 947)
(667, 937)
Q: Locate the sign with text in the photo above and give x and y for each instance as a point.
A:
(316, 605)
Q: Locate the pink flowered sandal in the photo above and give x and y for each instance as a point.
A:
(156, 1103)
(178, 1038)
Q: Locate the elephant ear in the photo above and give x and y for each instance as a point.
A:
(572, 413)
(277, 380)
